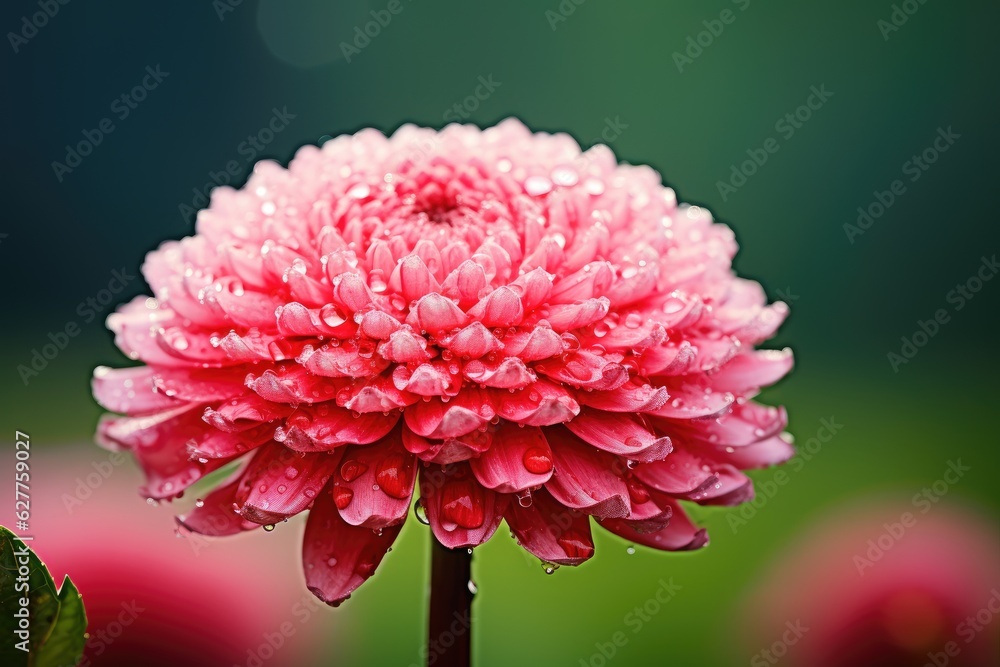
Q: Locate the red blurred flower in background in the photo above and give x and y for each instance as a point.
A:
(883, 586)
(155, 600)
(543, 335)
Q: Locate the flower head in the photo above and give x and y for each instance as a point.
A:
(522, 331)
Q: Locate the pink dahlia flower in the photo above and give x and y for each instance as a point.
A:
(523, 331)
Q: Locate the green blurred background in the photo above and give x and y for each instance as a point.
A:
(574, 71)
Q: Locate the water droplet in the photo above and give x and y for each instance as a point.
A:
(342, 496)
(537, 461)
(420, 513)
(269, 527)
(630, 550)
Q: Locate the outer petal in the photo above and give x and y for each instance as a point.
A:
(552, 532)
(621, 434)
(337, 556)
(584, 477)
(679, 535)
(374, 483)
(461, 512)
(280, 483)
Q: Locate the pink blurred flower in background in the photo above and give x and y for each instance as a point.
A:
(540, 335)
(882, 586)
(155, 600)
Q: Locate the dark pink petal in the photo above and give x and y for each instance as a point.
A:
(373, 484)
(680, 474)
(769, 452)
(630, 397)
(294, 319)
(159, 444)
(461, 512)
(731, 488)
(586, 370)
(463, 414)
(216, 515)
(552, 532)
(747, 423)
(337, 556)
(244, 412)
(679, 535)
(216, 444)
(293, 384)
(351, 293)
(618, 433)
(449, 450)
(540, 404)
(348, 359)
(584, 478)
(324, 427)
(690, 400)
(519, 458)
(280, 483)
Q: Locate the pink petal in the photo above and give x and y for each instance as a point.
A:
(584, 477)
(435, 313)
(540, 404)
(518, 459)
(374, 483)
(130, 391)
(280, 483)
(325, 427)
(337, 556)
(461, 512)
(462, 414)
(501, 307)
(621, 434)
(550, 531)
(679, 535)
